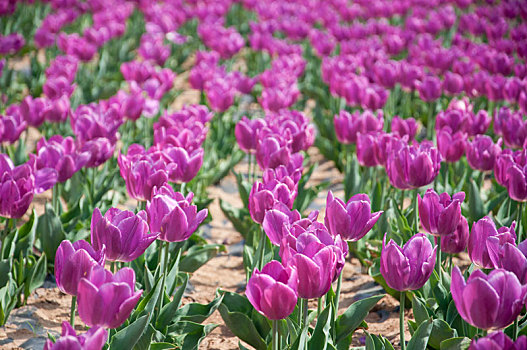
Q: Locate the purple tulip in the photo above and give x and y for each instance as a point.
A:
(409, 267)
(482, 230)
(317, 256)
(429, 88)
(482, 152)
(385, 145)
(517, 179)
(478, 123)
(366, 145)
(58, 110)
(295, 126)
(246, 132)
(17, 186)
(451, 145)
(32, 110)
(352, 220)
(173, 215)
(511, 126)
(280, 219)
(413, 166)
(498, 341)
(273, 291)
(488, 302)
(11, 126)
(272, 150)
(456, 242)
(402, 127)
(57, 87)
(60, 154)
(93, 339)
(93, 121)
(453, 83)
(181, 166)
(504, 161)
(123, 233)
(100, 150)
(107, 299)
(508, 257)
(349, 125)
(141, 172)
(454, 118)
(440, 214)
(264, 195)
(74, 261)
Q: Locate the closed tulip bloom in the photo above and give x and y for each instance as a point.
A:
(264, 195)
(509, 257)
(511, 126)
(488, 301)
(499, 341)
(181, 165)
(440, 214)
(366, 149)
(454, 118)
(409, 267)
(413, 166)
(11, 126)
(100, 150)
(386, 144)
(93, 339)
(456, 242)
(107, 299)
(453, 83)
(74, 261)
(280, 219)
(482, 230)
(429, 88)
(124, 233)
(141, 172)
(352, 220)
(402, 127)
(17, 187)
(246, 131)
(272, 291)
(501, 167)
(482, 152)
(478, 123)
(32, 109)
(451, 145)
(272, 150)
(349, 125)
(517, 181)
(173, 215)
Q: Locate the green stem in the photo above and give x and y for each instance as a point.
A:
(430, 121)
(402, 201)
(401, 319)
(163, 280)
(438, 263)
(261, 249)
(319, 306)
(72, 311)
(276, 336)
(112, 265)
(249, 166)
(337, 294)
(519, 228)
(305, 312)
(416, 211)
(515, 329)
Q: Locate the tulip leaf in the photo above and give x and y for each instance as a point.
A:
(420, 337)
(320, 337)
(161, 346)
(419, 309)
(354, 315)
(440, 331)
(127, 337)
(26, 235)
(38, 275)
(475, 205)
(198, 256)
(240, 218)
(148, 303)
(168, 311)
(244, 188)
(49, 228)
(458, 343)
(377, 342)
(351, 176)
(5, 268)
(195, 312)
(191, 333)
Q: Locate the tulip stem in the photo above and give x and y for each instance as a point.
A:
(515, 329)
(305, 312)
(319, 306)
(72, 311)
(416, 213)
(402, 201)
(337, 294)
(438, 263)
(276, 336)
(519, 222)
(261, 249)
(401, 319)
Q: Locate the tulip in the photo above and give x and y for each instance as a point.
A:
(478, 123)
(517, 181)
(352, 220)
(74, 261)
(478, 250)
(317, 256)
(273, 291)
(58, 110)
(280, 219)
(172, 215)
(488, 302)
(17, 186)
(100, 150)
(366, 149)
(402, 127)
(456, 242)
(429, 88)
(508, 257)
(107, 299)
(385, 145)
(454, 118)
(264, 195)
(11, 126)
(409, 267)
(501, 167)
(498, 341)
(295, 127)
(246, 132)
(181, 166)
(123, 233)
(141, 172)
(482, 152)
(349, 125)
(93, 339)
(31, 110)
(94, 121)
(440, 214)
(451, 145)
(453, 83)
(511, 126)
(413, 166)
(272, 150)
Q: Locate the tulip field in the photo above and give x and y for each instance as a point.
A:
(269, 175)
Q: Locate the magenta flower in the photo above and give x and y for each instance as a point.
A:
(181, 166)
(488, 302)
(11, 126)
(173, 215)
(451, 145)
(440, 214)
(279, 220)
(413, 166)
(456, 242)
(453, 83)
(272, 150)
(511, 126)
(429, 88)
(348, 126)
(93, 121)
(74, 261)
(263, 197)
(482, 152)
(366, 145)
(509, 257)
(100, 150)
(246, 132)
(352, 220)
(123, 233)
(17, 186)
(57, 111)
(93, 339)
(478, 246)
(517, 178)
(107, 299)
(402, 127)
(141, 172)
(498, 341)
(31, 109)
(409, 267)
(273, 291)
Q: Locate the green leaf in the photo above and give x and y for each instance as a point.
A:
(148, 303)
(196, 312)
(242, 327)
(38, 274)
(459, 343)
(244, 188)
(420, 338)
(161, 346)
(198, 256)
(127, 337)
(26, 235)
(240, 218)
(475, 205)
(320, 338)
(169, 310)
(50, 232)
(419, 309)
(354, 315)
(440, 331)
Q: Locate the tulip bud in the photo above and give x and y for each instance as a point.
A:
(94, 339)
(440, 214)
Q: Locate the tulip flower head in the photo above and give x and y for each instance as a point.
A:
(478, 245)
(93, 339)
(498, 341)
(440, 214)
